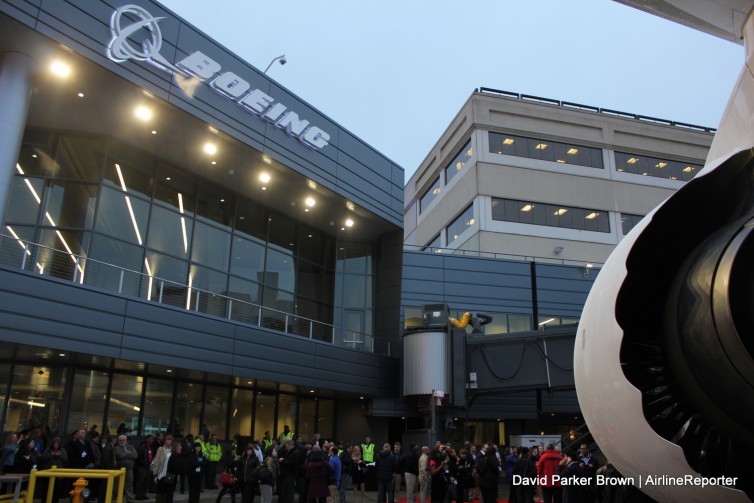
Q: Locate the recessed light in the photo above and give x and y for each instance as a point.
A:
(560, 211)
(81, 95)
(143, 113)
(61, 354)
(167, 178)
(572, 151)
(264, 188)
(661, 164)
(34, 156)
(349, 222)
(210, 148)
(222, 200)
(214, 162)
(508, 141)
(154, 132)
(592, 215)
(60, 69)
(541, 146)
(688, 169)
(170, 371)
(527, 207)
(311, 391)
(632, 160)
(306, 210)
(264, 177)
(310, 202)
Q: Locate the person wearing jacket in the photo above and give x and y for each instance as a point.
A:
(547, 467)
(167, 467)
(145, 457)
(489, 473)
(249, 462)
(125, 457)
(195, 467)
(266, 484)
(55, 456)
(384, 466)
(318, 471)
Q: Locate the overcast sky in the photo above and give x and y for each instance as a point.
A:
(395, 73)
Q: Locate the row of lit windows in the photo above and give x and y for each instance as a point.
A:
(545, 150)
(460, 224)
(454, 166)
(551, 215)
(653, 166)
(502, 323)
(146, 404)
(137, 212)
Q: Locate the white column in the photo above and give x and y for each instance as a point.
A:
(15, 93)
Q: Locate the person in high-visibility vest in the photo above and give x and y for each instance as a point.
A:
(266, 441)
(367, 450)
(213, 452)
(286, 435)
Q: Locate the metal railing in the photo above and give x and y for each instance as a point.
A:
(590, 108)
(63, 264)
(587, 265)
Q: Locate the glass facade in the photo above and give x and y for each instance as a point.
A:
(551, 215)
(653, 166)
(546, 150)
(628, 221)
(142, 404)
(502, 323)
(460, 224)
(172, 237)
(458, 162)
(430, 194)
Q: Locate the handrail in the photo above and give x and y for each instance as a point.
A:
(72, 473)
(83, 270)
(589, 108)
(587, 265)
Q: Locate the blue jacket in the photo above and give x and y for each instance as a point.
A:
(335, 463)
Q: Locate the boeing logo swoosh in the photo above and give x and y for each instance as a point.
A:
(121, 48)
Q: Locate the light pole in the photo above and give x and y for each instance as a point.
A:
(282, 62)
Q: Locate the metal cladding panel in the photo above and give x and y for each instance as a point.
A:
(426, 363)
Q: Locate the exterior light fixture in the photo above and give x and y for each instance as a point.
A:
(210, 148)
(143, 113)
(310, 202)
(265, 177)
(60, 69)
(349, 222)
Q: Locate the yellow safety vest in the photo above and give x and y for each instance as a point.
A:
(267, 442)
(368, 452)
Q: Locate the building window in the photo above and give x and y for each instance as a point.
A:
(551, 215)
(460, 224)
(432, 192)
(546, 150)
(628, 222)
(35, 398)
(435, 245)
(655, 167)
(458, 162)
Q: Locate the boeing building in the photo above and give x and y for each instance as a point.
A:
(184, 239)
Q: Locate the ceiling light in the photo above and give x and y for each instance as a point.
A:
(470, 152)
(143, 113)
(459, 165)
(541, 146)
(620, 169)
(573, 151)
(508, 141)
(311, 391)
(436, 191)
(527, 207)
(471, 222)
(561, 161)
(81, 95)
(264, 188)
(266, 159)
(306, 210)
(222, 200)
(210, 148)
(560, 211)
(592, 215)
(632, 160)
(167, 178)
(589, 266)
(60, 69)
(644, 174)
(61, 354)
(349, 222)
(214, 162)
(154, 132)
(170, 371)
(312, 184)
(264, 177)
(661, 164)
(34, 156)
(310, 202)
(688, 169)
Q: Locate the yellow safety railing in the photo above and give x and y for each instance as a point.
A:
(11, 497)
(70, 473)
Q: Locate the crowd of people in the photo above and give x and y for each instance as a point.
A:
(309, 471)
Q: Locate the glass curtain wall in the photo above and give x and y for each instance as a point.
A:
(37, 396)
(165, 229)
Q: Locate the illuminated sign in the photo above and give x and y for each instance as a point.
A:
(203, 68)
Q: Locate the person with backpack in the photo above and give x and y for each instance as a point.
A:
(266, 474)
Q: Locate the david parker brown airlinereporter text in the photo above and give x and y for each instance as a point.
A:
(646, 480)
